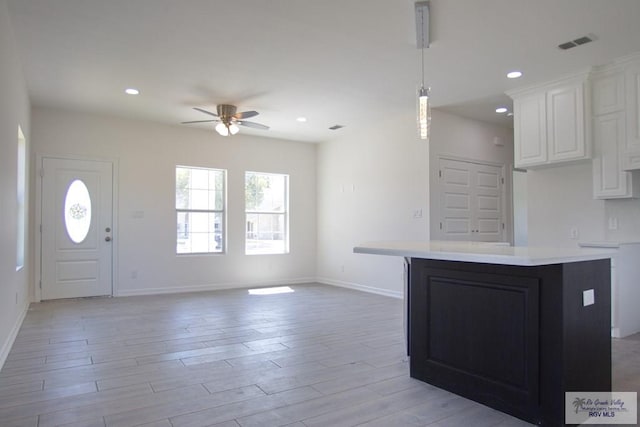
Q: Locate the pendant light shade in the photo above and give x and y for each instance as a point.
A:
(424, 114)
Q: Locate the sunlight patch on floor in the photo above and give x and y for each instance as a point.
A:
(271, 291)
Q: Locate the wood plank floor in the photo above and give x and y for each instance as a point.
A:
(320, 356)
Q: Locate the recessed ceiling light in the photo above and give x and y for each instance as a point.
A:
(132, 91)
(301, 119)
(501, 110)
(514, 74)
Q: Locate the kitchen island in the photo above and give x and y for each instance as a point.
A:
(510, 327)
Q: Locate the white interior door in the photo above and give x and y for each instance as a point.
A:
(487, 210)
(470, 201)
(77, 212)
(455, 200)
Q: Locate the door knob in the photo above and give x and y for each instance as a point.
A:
(107, 239)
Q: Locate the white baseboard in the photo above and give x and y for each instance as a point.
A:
(213, 287)
(358, 287)
(6, 346)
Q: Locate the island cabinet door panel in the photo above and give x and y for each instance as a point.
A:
(476, 334)
(515, 338)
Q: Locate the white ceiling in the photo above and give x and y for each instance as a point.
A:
(348, 62)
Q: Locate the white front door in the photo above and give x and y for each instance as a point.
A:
(470, 201)
(77, 212)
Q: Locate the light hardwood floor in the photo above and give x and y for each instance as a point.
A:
(321, 356)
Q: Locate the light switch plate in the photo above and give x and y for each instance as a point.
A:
(588, 297)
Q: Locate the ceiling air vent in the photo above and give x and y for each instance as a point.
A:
(336, 127)
(576, 42)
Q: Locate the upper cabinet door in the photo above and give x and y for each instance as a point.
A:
(632, 148)
(609, 180)
(530, 130)
(550, 126)
(565, 123)
(607, 91)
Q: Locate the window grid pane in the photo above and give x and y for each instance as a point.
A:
(266, 208)
(200, 210)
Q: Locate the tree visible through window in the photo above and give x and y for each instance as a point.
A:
(200, 210)
(266, 209)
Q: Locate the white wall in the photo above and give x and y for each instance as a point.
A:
(627, 213)
(468, 139)
(14, 112)
(146, 154)
(559, 200)
(370, 183)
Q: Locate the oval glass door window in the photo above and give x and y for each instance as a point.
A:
(77, 211)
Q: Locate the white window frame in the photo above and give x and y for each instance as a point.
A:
(284, 214)
(222, 212)
(21, 214)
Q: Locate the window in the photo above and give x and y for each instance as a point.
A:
(22, 183)
(266, 209)
(200, 210)
(77, 211)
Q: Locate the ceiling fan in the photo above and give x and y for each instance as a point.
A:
(228, 120)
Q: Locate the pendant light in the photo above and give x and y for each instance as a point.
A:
(422, 35)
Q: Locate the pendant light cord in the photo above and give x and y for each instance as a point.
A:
(422, 50)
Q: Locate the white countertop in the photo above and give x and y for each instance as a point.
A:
(482, 252)
(608, 244)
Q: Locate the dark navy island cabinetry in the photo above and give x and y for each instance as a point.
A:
(512, 328)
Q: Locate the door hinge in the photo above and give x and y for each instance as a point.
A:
(502, 180)
(42, 173)
(440, 226)
(40, 228)
(440, 174)
(40, 284)
(503, 225)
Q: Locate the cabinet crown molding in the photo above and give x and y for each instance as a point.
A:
(624, 60)
(581, 77)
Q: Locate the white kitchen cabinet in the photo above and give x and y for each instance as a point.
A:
(610, 142)
(551, 124)
(530, 130)
(625, 286)
(607, 91)
(631, 155)
(609, 180)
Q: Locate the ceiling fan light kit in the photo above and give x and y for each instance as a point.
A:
(422, 42)
(225, 129)
(229, 120)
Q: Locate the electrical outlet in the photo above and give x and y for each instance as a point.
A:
(574, 233)
(613, 223)
(588, 297)
(417, 213)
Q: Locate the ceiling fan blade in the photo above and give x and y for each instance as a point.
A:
(199, 121)
(205, 111)
(245, 114)
(253, 125)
